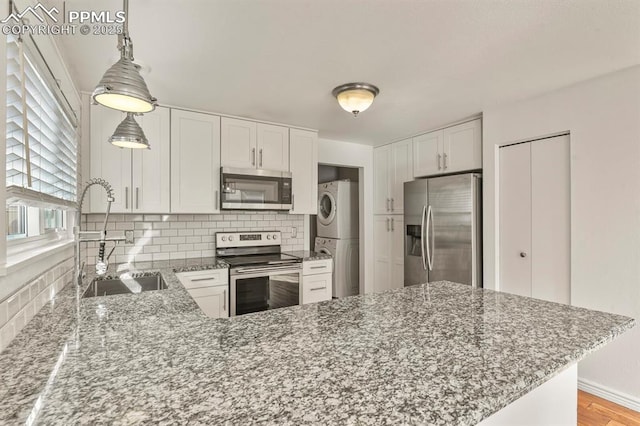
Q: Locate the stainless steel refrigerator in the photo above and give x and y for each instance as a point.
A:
(443, 230)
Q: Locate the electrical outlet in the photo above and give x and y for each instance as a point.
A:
(294, 232)
(128, 236)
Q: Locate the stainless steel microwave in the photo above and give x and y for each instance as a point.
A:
(254, 189)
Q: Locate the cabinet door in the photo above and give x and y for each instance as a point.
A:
(238, 143)
(316, 288)
(151, 177)
(381, 166)
(463, 147)
(273, 147)
(397, 251)
(427, 154)
(214, 301)
(195, 162)
(382, 252)
(401, 171)
(515, 219)
(108, 162)
(303, 148)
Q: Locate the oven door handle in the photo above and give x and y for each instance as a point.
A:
(260, 270)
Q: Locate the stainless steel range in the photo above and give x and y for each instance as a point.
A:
(261, 277)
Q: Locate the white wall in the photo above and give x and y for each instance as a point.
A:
(355, 155)
(603, 117)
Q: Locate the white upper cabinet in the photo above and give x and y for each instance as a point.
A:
(427, 154)
(273, 147)
(454, 149)
(463, 147)
(238, 143)
(151, 182)
(137, 176)
(195, 162)
(304, 170)
(246, 144)
(393, 167)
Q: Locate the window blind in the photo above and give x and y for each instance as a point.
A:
(50, 128)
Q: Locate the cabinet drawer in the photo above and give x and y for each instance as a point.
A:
(316, 288)
(313, 267)
(209, 278)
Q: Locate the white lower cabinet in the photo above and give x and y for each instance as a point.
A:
(388, 239)
(317, 281)
(209, 289)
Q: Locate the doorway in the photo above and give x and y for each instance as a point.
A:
(535, 219)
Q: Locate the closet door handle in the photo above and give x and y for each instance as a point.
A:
(253, 156)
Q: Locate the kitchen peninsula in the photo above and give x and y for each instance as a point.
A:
(439, 354)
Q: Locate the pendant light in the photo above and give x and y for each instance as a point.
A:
(129, 134)
(355, 97)
(122, 87)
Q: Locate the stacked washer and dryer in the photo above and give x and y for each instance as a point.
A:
(337, 229)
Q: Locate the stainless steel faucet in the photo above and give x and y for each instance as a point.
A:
(102, 263)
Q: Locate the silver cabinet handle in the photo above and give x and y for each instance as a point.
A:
(137, 197)
(392, 208)
(224, 300)
(317, 288)
(194, 280)
(293, 201)
(444, 160)
(253, 156)
(388, 227)
(392, 227)
(126, 197)
(260, 157)
(438, 160)
(388, 203)
(216, 199)
(317, 267)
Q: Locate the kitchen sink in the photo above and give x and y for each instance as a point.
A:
(125, 285)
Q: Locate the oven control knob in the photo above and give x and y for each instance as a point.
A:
(268, 237)
(230, 238)
(275, 236)
(224, 238)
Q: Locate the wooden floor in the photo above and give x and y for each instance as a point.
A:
(594, 411)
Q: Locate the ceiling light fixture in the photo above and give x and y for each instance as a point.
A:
(355, 97)
(129, 134)
(122, 87)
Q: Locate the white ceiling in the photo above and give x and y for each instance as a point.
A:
(435, 62)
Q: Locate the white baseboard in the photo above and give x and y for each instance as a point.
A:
(609, 394)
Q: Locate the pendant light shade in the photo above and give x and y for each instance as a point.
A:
(129, 134)
(122, 87)
(355, 97)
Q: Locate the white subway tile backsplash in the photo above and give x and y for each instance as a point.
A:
(178, 236)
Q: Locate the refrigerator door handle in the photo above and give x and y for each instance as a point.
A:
(422, 240)
(429, 222)
(431, 252)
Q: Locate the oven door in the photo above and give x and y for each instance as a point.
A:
(262, 289)
(248, 189)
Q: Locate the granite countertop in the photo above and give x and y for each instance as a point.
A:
(307, 255)
(438, 353)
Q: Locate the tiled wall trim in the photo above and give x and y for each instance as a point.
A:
(180, 236)
(17, 310)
